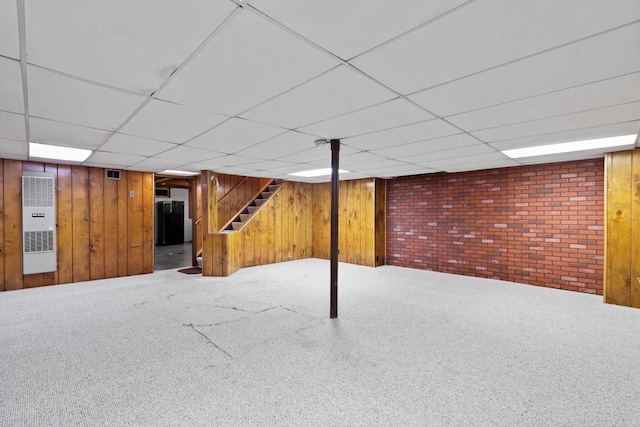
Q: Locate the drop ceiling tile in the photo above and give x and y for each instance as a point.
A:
(113, 159)
(605, 93)
(460, 161)
(618, 129)
(11, 98)
(396, 170)
(336, 92)
(272, 165)
(189, 154)
(457, 45)
(153, 164)
(65, 134)
(248, 62)
(372, 167)
(127, 144)
(481, 165)
(170, 122)
(57, 97)
(361, 158)
(9, 29)
(352, 27)
(231, 160)
(15, 150)
(583, 62)
(429, 146)
(397, 112)
(12, 126)
(234, 135)
(402, 135)
(454, 154)
(279, 146)
(318, 155)
(132, 45)
(586, 119)
(240, 170)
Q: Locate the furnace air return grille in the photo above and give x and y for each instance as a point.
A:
(38, 222)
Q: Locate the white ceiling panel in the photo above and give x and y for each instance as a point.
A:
(134, 45)
(154, 164)
(112, 159)
(170, 122)
(57, 97)
(605, 93)
(230, 160)
(250, 61)
(11, 97)
(488, 33)
(9, 45)
(12, 126)
(397, 112)
(454, 154)
(315, 155)
(273, 166)
(618, 129)
(402, 135)
(382, 164)
(404, 170)
(65, 134)
(234, 135)
(348, 28)
(336, 92)
(240, 170)
(587, 61)
(127, 144)
(479, 155)
(429, 146)
(586, 119)
(363, 157)
(189, 154)
(15, 150)
(280, 146)
(451, 167)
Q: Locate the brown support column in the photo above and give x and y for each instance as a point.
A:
(335, 159)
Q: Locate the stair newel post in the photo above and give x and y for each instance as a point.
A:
(335, 159)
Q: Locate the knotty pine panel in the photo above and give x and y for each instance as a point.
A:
(90, 225)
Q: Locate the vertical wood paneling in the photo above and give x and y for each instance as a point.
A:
(110, 206)
(635, 231)
(148, 197)
(280, 254)
(51, 278)
(13, 225)
(2, 207)
(380, 222)
(123, 244)
(368, 231)
(65, 224)
(96, 223)
(134, 222)
(80, 225)
(618, 229)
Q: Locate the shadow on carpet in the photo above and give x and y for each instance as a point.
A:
(191, 270)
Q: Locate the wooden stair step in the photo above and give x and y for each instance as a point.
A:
(236, 225)
(244, 217)
(252, 209)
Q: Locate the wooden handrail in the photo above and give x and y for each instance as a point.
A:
(198, 221)
(270, 182)
(233, 189)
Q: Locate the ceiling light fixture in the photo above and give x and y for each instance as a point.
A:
(56, 152)
(176, 172)
(569, 147)
(316, 172)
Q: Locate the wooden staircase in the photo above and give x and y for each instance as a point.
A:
(250, 208)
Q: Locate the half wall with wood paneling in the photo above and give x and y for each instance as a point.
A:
(102, 231)
(622, 229)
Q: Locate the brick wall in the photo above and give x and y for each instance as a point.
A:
(542, 225)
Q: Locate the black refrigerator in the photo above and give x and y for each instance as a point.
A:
(170, 229)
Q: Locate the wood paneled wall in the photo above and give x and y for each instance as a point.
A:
(101, 231)
(361, 221)
(622, 229)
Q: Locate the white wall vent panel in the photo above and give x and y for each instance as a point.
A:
(38, 222)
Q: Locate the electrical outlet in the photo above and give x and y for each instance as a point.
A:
(289, 254)
(132, 193)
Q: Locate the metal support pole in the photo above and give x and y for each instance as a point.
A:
(335, 159)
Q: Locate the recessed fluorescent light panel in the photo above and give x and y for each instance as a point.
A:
(568, 147)
(55, 152)
(316, 172)
(179, 173)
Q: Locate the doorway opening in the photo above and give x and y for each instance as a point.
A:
(173, 224)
